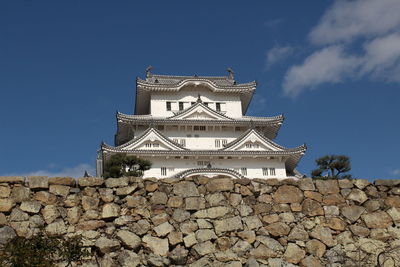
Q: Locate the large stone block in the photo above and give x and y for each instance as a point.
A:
(110, 210)
(219, 185)
(278, 229)
(107, 245)
(6, 204)
(213, 213)
(352, 212)
(311, 207)
(117, 182)
(90, 181)
(327, 186)
(5, 191)
(229, 224)
(294, 254)
(186, 189)
(68, 181)
(31, 206)
(59, 190)
(388, 182)
(12, 179)
(20, 193)
(38, 182)
(6, 233)
(288, 194)
(129, 239)
(378, 219)
(157, 245)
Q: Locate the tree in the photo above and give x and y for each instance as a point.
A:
(332, 166)
(42, 251)
(119, 165)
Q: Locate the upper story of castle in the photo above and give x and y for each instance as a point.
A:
(163, 96)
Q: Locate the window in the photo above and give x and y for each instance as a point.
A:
(156, 145)
(203, 163)
(147, 145)
(248, 145)
(265, 171)
(175, 141)
(271, 171)
(224, 142)
(218, 106)
(180, 105)
(163, 171)
(217, 143)
(244, 171)
(192, 103)
(182, 142)
(168, 105)
(199, 128)
(206, 103)
(171, 169)
(188, 135)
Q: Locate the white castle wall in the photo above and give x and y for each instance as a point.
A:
(254, 166)
(233, 106)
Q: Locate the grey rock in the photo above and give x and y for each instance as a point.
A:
(163, 229)
(352, 212)
(129, 239)
(229, 224)
(107, 245)
(31, 206)
(6, 233)
(186, 189)
(38, 182)
(205, 235)
(157, 245)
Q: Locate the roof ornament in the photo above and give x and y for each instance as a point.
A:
(252, 125)
(148, 71)
(230, 73)
(199, 99)
(86, 174)
(152, 124)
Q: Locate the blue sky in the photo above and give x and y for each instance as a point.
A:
(331, 67)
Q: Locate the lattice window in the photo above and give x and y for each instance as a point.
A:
(168, 105)
(182, 142)
(163, 171)
(243, 171)
(271, 171)
(217, 143)
(265, 171)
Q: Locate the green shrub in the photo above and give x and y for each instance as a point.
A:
(119, 165)
(41, 251)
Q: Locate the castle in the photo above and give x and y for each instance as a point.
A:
(187, 125)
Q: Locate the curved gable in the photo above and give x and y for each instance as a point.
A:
(199, 111)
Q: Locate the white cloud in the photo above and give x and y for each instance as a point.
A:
(382, 57)
(375, 24)
(330, 64)
(348, 20)
(76, 171)
(278, 53)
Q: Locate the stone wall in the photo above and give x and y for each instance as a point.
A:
(209, 222)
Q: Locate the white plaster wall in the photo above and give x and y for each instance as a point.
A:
(254, 166)
(190, 94)
(206, 139)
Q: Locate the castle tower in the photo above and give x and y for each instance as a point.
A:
(187, 125)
